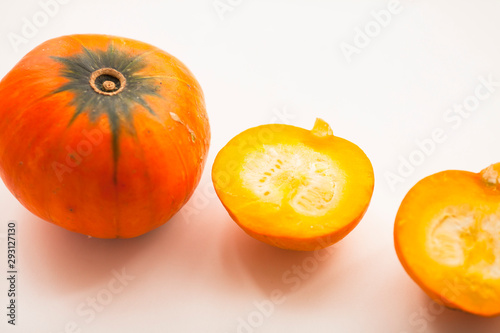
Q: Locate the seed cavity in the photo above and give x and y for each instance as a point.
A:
(463, 236)
(293, 174)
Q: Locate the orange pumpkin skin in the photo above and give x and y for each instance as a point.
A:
(108, 166)
(446, 236)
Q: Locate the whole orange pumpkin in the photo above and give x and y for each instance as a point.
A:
(102, 135)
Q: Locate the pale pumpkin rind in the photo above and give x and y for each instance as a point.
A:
(447, 237)
(293, 188)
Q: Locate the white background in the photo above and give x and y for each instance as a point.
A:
(264, 62)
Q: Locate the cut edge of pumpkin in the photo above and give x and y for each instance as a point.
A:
(282, 176)
(459, 242)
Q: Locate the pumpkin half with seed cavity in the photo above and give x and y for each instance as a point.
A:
(293, 188)
(447, 236)
(102, 135)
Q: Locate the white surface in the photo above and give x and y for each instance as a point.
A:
(261, 62)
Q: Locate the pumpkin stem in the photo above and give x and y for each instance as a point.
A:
(109, 85)
(107, 81)
(321, 128)
(491, 174)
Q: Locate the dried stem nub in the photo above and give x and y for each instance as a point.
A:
(109, 87)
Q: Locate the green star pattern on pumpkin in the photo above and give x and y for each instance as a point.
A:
(117, 108)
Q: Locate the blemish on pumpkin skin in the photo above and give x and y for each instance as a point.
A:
(176, 118)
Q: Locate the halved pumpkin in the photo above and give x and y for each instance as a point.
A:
(291, 187)
(447, 236)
